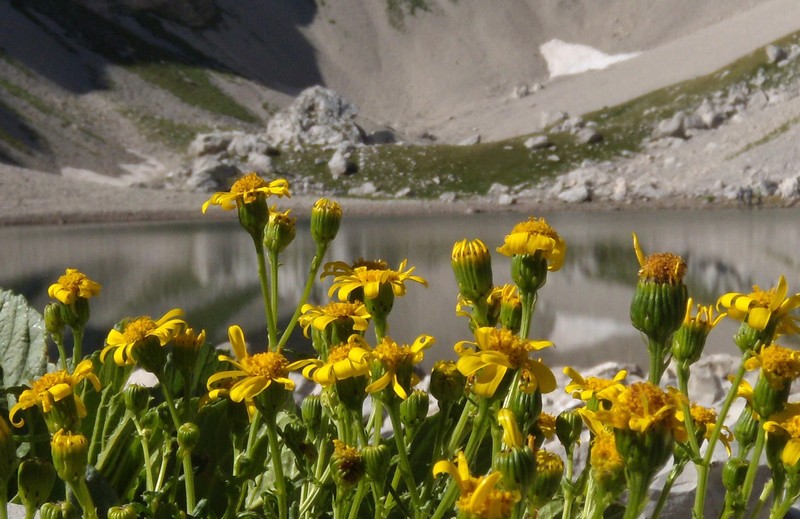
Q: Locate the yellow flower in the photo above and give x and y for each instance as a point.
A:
(371, 279)
(787, 422)
(52, 388)
(643, 406)
(661, 267)
(396, 361)
(253, 373)
(319, 317)
(587, 388)
(499, 350)
(512, 436)
(136, 331)
(535, 236)
(480, 497)
(246, 190)
(546, 423)
(762, 307)
(72, 285)
(606, 462)
(705, 420)
(340, 365)
(778, 364)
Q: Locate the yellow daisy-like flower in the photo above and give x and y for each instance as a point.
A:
(499, 350)
(761, 307)
(787, 422)
(371, 279)
(72, 285)
(587, 388)
(52, 388)
(136, 331)
(604, 458)
(778, 364)
(480, 496)
(546, 423)
(705, 420)
(319, 317)
(253, 373)
(536, 236)
(661, 267)
(644, 406)
(246, 190)
(340, 365)
(396, 361)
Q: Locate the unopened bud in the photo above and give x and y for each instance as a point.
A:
(280, 231)
(61, 510)
(326, 216)
(35, 480)
(69, 455)
(447, 383)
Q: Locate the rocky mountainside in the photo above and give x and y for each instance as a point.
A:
(118, 91)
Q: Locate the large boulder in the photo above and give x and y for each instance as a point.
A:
(318, 117)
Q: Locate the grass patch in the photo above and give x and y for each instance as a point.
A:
(780, 130)
(26, 96)
(175, 135)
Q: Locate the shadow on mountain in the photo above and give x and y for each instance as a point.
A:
(61, 40)
(16, 134)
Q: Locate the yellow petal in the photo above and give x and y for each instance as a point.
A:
(236, 336)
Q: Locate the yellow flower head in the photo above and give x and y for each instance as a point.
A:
(480, 496)
(703, 317)
(705, 420)
(253, 373)
(787, 422)
(546, 423)
(340, 365)
(319, 317)
(778, 364)
(643, 406)
(536, 236)
(72, 285)
(136, 331)
(51, 388)
(606, 462)
(246, 190)
(499, 350)
(371, 279)
(661, 267)
(761, 307)
(395, 361)
(587, 388)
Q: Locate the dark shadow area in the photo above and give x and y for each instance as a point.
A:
(62, 41)
(16, 134)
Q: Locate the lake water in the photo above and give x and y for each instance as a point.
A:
(209, 270)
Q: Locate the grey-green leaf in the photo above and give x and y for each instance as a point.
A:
(23, 352)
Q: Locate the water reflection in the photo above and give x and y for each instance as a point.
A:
(209, 270)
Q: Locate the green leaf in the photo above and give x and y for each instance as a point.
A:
(23, 352)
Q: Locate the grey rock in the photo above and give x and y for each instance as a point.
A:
(537, 142)
(520, 91)
(505, 199)
(259, 162)
(211, 173)
(471, 140)
(620, 189)
(588, 136)
(789, 188)
(548, 119)
(406, 191)
(365, 189)
(553, 158)
(672, 127)
(758, 100)
(497, 189)
(709, 116)
(775, 53)
(447, 197)
(340, 164)
(576, 194)
(210, 143)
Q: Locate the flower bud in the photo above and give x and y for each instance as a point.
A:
(518, 467)
(188, 434)
(35, 480)
(568, 428)
(76, 314)
(472, 266)
(61, 510)
(748, 338)
(253, 216)
(122, 512)
(69, 455)
(377, 460)
(280, 231)
(644, 452)
(326, 216)
(52, 319)
(352, 391)
(746, 429)
(136, 398)
(185, 346)
(150, 355)
(657, 309)
(526, 408)
(381, 305)
(734, 472)
(311, 411)
(414, 409)
(347, 464)
(767, 398)
(549, 470)
(529, 272)
(446, 383)
(510, 315)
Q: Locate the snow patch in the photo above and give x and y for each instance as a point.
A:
(573, 58)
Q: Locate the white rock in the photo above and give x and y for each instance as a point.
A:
(447, 197)
(497, 189)
(576, 194)
(471, 140)
(338, 165)
(672, 127)
(520, 91)
(505, 199)
(210, 143)
(775, 53)
(588, 136)
(537, 142)
(620, 191)
(259, 162)
(365, 189)
(789, 188)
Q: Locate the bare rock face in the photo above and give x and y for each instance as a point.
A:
(319, 117)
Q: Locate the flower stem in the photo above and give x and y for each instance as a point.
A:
(277, 466)
(528, 300)
(273, 284)
(638, 484)
(683, 387)
(703, 469)
(405, 465)
(752, 470)
(316, 262)
(567, 485)
(148, 469)
(81, 492)
(676, 471)
(188, 471)
(658, 360)
(265, 292)
(77, 346)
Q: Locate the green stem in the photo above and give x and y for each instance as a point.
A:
(676, 471)
(3, 500)
(356, 504)
(752, 470)
(81, 492)
(273, 284)
(316, 263)
(405, 465)
(528, 301)
(188, 471)
(703, 469)
(265, 292)
(458, 432)
(99, 420)
(58, 338)
(148, 469)
(277, 466)
(567, 484)
(638, 484)
(658, 360)
(762, 500)
(77, 346)
(683, 387)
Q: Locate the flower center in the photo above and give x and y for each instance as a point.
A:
(72, 281)
(249, 182)
(341, 310)
(703, 415)
(663, 267)
(339, 353)
(506, 342)
(642, 399)
(269, 364)
(604, 455)
(391, 355)
(137, 329)
(780, 362)
(370, 264)
(536, 226)
(49, 380)
(548, 462)
(792, 426)
(762, 298)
